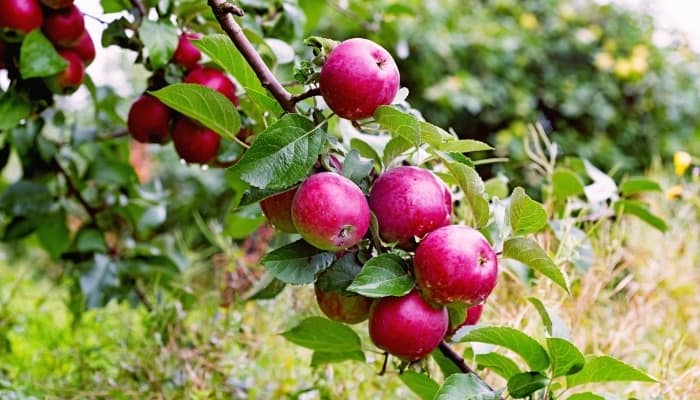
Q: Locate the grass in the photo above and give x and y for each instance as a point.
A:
(638, 302)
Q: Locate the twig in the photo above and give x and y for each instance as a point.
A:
(142, 297)
(459, 361)
(92, 211)
(140, 7)
(305, 95)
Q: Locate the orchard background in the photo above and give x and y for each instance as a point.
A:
(561, 129)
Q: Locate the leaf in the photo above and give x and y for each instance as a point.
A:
(268, 287)
(525, 384)
(523, 345)
(465, 387)
(566, 183)
(641, 211)
(496, 187)
(112, 6)
(528, 252)
(473, 187)
(433, 135)
(585, 396)
(542, 310)
(398, 124)
(38, 57)
(355, 168)
(26, 198)
(54, 235)
(600, 369)
(243, 221)
(90, 240)
(160, 39)
(366, 150)
(394, 148)
(297, 263)
(321, 334)
(340, 274)
(321, 357)
(420, 384)
(457, 313)
(499, 364)
(220, 50)
(204, 105)
(282, 155)
(526, 215)
(13, 109)
(382, 276)
(100, 278)
(638, 185)
(464, 146)
(447, 366)
(566, 358)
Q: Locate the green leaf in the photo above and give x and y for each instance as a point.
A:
(355, 168)
(525, 384)
(38, 57)
(394, 148)
(638, 185)
(340, 274)
(112, 6)
(420, 384)
(26, 198)
(268, 287)
(499, 364)
(265, 103)
(526, 215)
(97, 282)
(528, 252)
(585, 396)
(282, 155)
(520, 343)
(152, 218)
(220, 50)
(243, 221)
(447, 366)
(399, 124)
(366, 151)
(544, 314)
(382, 276)
(204, 105)
(297, 263)
(13, 109)
(457, 313)
(566, 183)
(54, 235)
(160, 39)
(465, 387)
(496, 187)
(90, 240)
(464, 146)
(600, 369)
(566, 358)
(473, 187)
(322, 357)
(641, 211)
(433, 135)
(321, 334)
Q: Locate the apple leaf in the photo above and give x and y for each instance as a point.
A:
(394, 148)
(464, 146)
(566, 183)
(598, 369)
(282, 155)
(473, 187)
(160, 39)
(432, 134)
(366, 151)
(526, 383)
(499, 364)
(297, 263)
(323, 357)
(465, 386)
(641, 211)
(322, 334)
(420, 384)
(218, 48)
(356, 168)
(340, 274)
(13, 109)
(585, 396)
(38, 57)
(638, 185)
(202, 104)
(526, 347)
(544, 314)
(399, 124)
(526, 215)
(528, 252)
(566, 358)
(382, 276)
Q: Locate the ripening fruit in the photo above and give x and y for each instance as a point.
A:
(455, 264)
(57, 4)
(213, 79)
(409, 202)
(195, 143)
(149, 120)
(85, 48)
(71, 78)
(278, 210)
(186, 54)
(19, 17)
(330, 211)
(338, 307)
(358, 76)
(408, 327)
(64, 27)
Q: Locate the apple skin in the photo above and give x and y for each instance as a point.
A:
(408, 202)
(195, 143)
(473, 315)
(85, 48)
(213, 79)
(57, 4)
(358, 76)
(64, 28)
(149, 120)
(407, 327)
(330, 211)
(341, 308)
(19, 17)
(71, 78)
(278, 210)
(186, 54)
(455, 264)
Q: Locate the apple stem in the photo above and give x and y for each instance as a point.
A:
(386, 361)
(458, 360)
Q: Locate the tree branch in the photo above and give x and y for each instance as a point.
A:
(305, 95)
(459, 361)
(92, 211)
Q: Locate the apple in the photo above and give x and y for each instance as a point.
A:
(455, 264)
(195, 143)
(149, 120)
(330, 211)
(19, 17)
(342, 308)
(278, 210)
(408, 327)
(70, 79)
(213, 79)
(65, 27)
(85, 48)
(473, 315)
(186, 54)
(358, 76)
(409, 202)
(57, 4)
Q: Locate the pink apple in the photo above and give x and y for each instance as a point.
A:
(149, 120)
(19, 17)
(338, 307)
(473, 315)
(186, 54)
(85, 48)
(195, 143)
(278, 210)
(214, 79)
(65, 27)
(70, 79)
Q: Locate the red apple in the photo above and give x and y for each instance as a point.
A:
(57, 4)
(358, 76)
(186, 54)
(330, 211)
(455, 264)
(408, 327)
(149, 120)
(195, 143)
(278, 210)
(409, 202)
(71, 78)
(85, 48)
(19, 17)
(64, 27)
(338, 307)
(213, 79)
(473, 315)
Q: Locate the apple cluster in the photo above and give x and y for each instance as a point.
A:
(62, 23)
(151, 121)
